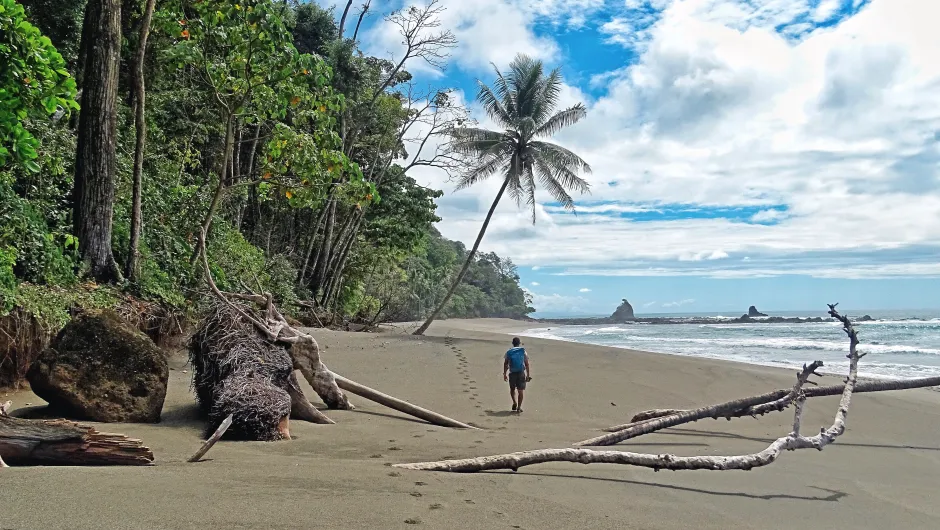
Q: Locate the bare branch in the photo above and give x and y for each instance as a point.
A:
(342, 21)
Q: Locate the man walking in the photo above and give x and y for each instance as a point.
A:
(516, 371)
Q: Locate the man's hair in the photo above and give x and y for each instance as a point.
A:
(516, 341)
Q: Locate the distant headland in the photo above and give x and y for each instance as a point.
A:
(624, 315)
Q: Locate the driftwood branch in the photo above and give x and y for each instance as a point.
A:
(212, 439)
(771, 406)
(790, 442)
(61, 442)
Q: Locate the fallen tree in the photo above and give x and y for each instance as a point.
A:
(793, 441)
(66, 443)
(643, 422)
(248, 341)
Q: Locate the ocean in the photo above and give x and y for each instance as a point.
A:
(900, 344)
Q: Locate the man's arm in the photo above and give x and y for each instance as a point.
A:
(506, 368)
(528, 371)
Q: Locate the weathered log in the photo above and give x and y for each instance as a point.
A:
(791, 442)
(62, 442)
(226, 423)
(822, 391)
(398, 404)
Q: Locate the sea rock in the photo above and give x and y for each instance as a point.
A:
(100, 369)
(624, 313)
(753, 312)
(866, 318)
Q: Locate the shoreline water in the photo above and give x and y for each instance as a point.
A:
(899, 348)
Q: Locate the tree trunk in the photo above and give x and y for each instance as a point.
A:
(140, 122)
(220, 188)
(344, 244)
(62, 442)
(301, 408)
(476, 245)
(325, 253)
(97, 139)
(771, 405)
(398, 404)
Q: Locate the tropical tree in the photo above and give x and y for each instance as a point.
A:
(523, 103)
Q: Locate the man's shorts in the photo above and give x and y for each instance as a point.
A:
(517, 380)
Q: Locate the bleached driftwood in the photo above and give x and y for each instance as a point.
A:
(305, 353)
(719, 411)
(398, 404)
(226, 423)
(790, 442)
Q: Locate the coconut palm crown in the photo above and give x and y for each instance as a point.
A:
(523, 103)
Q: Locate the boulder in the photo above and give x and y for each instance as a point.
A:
(866, 318)
(99, 369)
(624, 312)
(753, 312)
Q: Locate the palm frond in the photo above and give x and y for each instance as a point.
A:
(547, 97)
(526, 76)
(493, 106)
(552, 186)
(487, 168)
(561, 119)
(530, 189)
(557, 155)
(506, 93)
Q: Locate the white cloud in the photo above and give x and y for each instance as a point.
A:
(557, 303)
(585, 290)
(828, 135)
(832, 137)
(536, 267)
(649, 304)
(535, 284)
(680, 303)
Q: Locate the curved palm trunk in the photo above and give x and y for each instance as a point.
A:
(427, 323)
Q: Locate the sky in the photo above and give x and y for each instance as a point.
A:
(778, 153)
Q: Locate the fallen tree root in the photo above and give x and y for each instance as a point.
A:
(398, 404)
(792, 441)
(834, 390)
(61, 442)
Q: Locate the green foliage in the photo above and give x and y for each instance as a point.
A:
(33, 84)
(329, 122)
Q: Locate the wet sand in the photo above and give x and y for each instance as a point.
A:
(881, 474)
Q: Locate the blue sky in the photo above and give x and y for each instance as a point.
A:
(782, 153)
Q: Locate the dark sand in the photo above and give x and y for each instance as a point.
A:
(882, 473)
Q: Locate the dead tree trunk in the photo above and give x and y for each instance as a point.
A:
(398, 404)
(774, 406)
(790, 442)
(62, 442)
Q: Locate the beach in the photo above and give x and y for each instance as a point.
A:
(882, 473)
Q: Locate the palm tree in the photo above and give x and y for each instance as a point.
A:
(523, 103)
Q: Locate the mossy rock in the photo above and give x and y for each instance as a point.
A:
(100, 369)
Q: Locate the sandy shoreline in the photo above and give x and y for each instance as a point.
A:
(881, 474)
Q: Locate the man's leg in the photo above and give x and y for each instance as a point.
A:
(512, 394)
(521, 394)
